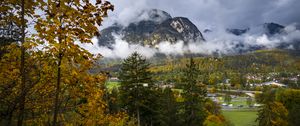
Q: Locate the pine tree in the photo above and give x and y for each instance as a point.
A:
(272, 113)
(194, 94)
(169, 107)
(137, 88)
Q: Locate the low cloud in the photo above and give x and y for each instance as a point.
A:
(216, 15)
(225, 43)
(212, 13)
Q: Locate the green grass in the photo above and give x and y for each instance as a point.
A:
(239, 102)
(111, 84)
(177, 90)
(241, 118)
(235, 101)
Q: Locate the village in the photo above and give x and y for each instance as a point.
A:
(224, 94)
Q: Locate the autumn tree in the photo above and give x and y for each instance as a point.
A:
(272, 113)
(64, 22)
(290, 98)
(194, 93)
(215, 120)
(10, 80)
(13, 29)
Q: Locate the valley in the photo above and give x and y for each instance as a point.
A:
(149, 63)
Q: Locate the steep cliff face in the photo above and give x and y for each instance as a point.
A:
(153, 27)
(178, 28)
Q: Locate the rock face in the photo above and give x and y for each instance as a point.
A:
(153, 27)
(269, 29)
(237, 31)
(273, 28)
(178, 28)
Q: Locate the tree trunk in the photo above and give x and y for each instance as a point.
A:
(56, 102)
(8, 119)
(23, 93)
(138, 116)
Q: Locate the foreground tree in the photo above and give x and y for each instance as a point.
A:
(194, 93)
(58, 81)
(137, 89)
(65, 22)
(13, 27)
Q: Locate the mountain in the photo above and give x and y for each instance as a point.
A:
(152, 26)
(237, 31)
(269, 29)
(273, 28)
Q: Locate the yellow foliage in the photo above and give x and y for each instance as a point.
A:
(214, 120)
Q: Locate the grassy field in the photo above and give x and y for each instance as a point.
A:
(111, 84)
(241, 118)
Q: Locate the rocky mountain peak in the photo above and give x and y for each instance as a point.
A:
(154, 15)
(151, 28)
(178, 28)
(273, 28)
(237, 31)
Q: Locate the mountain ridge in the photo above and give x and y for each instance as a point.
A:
(160, 26)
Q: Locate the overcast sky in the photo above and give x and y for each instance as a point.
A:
(216, 15)
(213, 13)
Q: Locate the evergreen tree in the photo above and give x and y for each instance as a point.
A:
(194, 94)
(290, 98)
(272, 113)
(168, 108)
(137, 89)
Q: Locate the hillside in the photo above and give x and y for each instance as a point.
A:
(262, 65)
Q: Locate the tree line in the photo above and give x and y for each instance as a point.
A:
(144, 100)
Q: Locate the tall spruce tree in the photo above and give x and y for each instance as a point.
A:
(169, 107)
(194, 94)
(137, 89)
(272, 113)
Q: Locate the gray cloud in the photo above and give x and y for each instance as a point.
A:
(223, 44)
(216, 15)
(213, 13)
